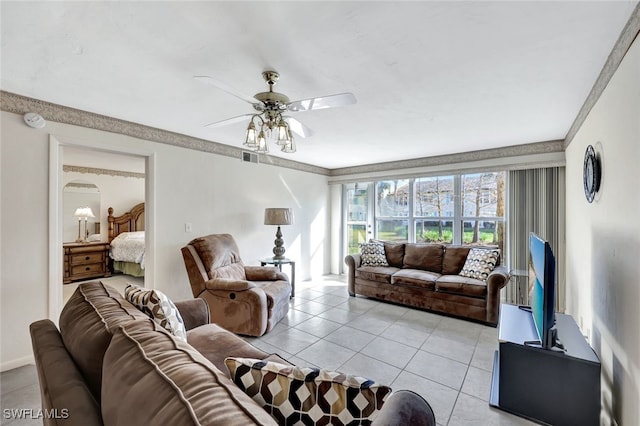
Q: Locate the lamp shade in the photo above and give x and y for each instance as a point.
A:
(278, 216)
(83, 212)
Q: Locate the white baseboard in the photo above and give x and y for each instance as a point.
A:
(15, 363)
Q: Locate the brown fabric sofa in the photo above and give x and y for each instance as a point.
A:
(111, 364)
(426, 276)
(243, 299)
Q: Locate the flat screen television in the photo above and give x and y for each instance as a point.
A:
(542, 290)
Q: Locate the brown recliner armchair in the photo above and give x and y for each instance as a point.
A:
(243, 299)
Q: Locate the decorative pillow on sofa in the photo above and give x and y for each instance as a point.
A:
(159, 308)
(372, 254)
(480, 262)
(308, 395)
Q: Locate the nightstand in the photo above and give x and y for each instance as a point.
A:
(85, 260)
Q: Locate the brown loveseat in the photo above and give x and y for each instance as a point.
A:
(426, 276)
(111, 364)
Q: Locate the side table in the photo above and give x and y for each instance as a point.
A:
(279, 263)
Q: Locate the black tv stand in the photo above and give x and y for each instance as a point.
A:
(549, 386)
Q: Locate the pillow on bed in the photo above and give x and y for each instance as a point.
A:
(137, 235)
(159, 308)
(93, 238)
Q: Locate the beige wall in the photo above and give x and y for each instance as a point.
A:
(213, 193)
(603, 240)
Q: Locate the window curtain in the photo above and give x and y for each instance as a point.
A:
(536, 203)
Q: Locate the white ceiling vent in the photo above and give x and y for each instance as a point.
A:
(249, 157)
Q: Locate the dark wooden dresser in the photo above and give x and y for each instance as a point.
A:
(85, 260)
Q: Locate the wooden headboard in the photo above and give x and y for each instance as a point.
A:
(131, 221)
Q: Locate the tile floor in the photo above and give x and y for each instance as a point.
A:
(446, 360)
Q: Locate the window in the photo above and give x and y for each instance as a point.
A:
(392, 210)
(483, 208)
(433, 200)
(451, 209)
(357, 214)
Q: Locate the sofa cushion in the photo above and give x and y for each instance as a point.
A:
(215, 344)
(456, 284)
(376, 273)
(427, 257)
(454, 259)
(310, 396)
(415, 278)
(87, 322)
(158, 307)
(394, 252)
(151, 378)
(372, 254)
(480, 262)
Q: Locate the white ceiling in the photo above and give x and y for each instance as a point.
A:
(431, 78)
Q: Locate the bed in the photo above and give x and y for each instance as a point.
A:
(126, 237)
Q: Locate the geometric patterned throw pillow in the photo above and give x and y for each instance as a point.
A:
(308, 396)
(159, 308)
(480, 262)
(373, 254)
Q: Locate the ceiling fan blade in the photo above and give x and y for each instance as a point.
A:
(228, 121)
(225, 87)
(330, 101)
(298, 128)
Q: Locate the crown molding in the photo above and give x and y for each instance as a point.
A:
(97, 171)
(623, 44)
(18, 104)
(463, 157)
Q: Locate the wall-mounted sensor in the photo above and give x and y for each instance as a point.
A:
(34, 120)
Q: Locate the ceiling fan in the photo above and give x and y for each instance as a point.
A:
(269, 109)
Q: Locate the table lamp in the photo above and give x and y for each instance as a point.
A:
(278, 216)
(83, 213)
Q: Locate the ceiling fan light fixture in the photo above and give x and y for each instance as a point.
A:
(283, 132)
(289, 147)
(262, 145)
(250, 140)
(269, 109)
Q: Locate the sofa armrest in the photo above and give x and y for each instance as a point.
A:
(194, 312)
(497, 279)
(352, 261)
(62, 386)
(263, 273)
(405, 408)
(228, 284)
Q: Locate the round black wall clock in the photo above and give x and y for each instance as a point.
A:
(591, 173)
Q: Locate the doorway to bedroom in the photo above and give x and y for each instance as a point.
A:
(87, 181)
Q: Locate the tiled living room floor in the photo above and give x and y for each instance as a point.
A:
(446, 360)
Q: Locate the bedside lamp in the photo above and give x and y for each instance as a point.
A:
(278, 216)
(83, 213)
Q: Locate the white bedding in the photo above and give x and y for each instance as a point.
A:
(128, 247)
